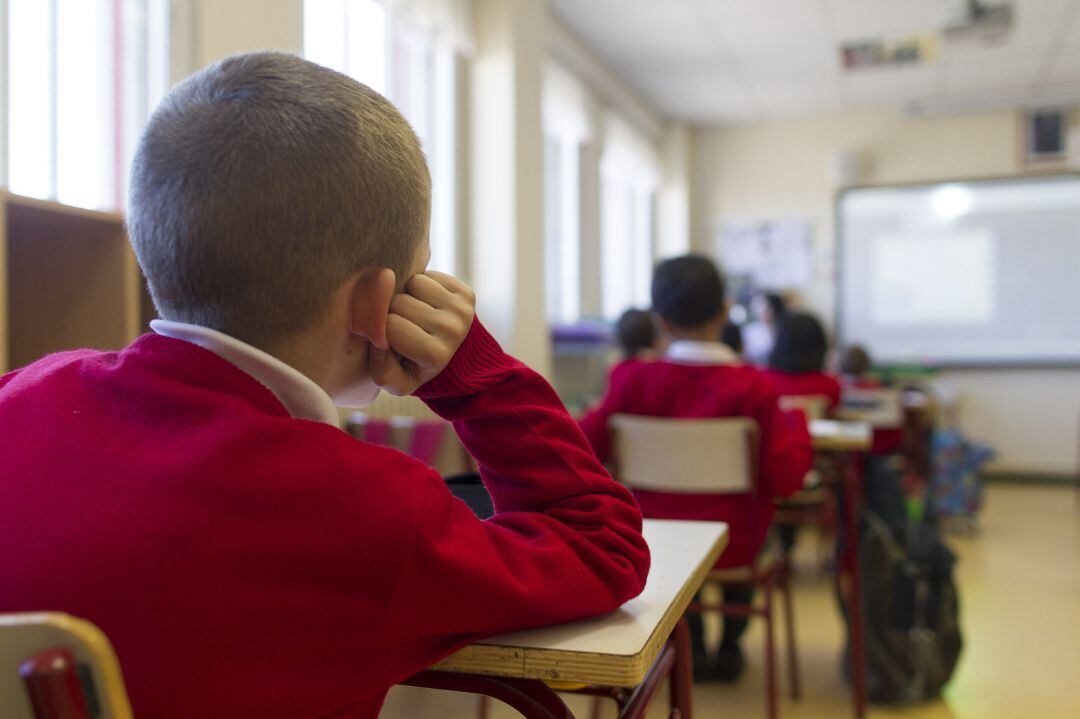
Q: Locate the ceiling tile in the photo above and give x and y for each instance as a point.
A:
(971, 74)
(722, 60)
(860, 19)
(891, 87)
(1066, 67)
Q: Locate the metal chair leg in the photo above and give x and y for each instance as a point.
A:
(529, 697)
(680, 682)
(770, 653)
(789, 628)
(851, 559)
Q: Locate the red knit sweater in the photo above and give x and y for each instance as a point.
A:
(667, 389)
(248, 564)
(806, 384)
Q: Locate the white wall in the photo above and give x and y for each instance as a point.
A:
(1032, 416)
(203, 31)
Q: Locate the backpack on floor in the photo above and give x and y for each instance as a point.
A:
(913, 639)
(955, 489)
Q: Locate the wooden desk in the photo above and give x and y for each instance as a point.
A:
(830, 435)
(614, 649)
(633, 646)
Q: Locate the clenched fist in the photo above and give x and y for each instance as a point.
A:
(427, 324)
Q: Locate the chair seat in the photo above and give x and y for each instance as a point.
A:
(804, 498)
(766, 561)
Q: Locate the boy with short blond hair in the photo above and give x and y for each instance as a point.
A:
(192, 494)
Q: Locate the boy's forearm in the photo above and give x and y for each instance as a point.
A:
(531, 452)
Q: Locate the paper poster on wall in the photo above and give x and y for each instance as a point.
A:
(776, 254)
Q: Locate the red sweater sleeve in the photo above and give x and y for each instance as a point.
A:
(565, 541)
(786, 450)
(594, 423)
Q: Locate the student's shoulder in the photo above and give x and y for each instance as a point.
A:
(328, 460)
(757, 384)
(38, 372)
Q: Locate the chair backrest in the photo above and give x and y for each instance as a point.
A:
(58, 659)
(814, 406)
(880, 408)
(693, 456)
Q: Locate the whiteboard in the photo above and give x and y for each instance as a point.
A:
(983, 272)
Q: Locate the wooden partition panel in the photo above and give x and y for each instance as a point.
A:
(71, 280)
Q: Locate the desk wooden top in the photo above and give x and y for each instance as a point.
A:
(838, 436)
(615, 649)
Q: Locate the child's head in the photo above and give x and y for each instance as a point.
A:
(262, 185)
(855, 361)
(768, 307)
(688, 295)
(636, 332)
(731, 335)
(800, 344)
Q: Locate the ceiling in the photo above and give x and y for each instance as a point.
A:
(737, 61)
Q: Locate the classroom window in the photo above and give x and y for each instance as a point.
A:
(566, 129)
(413, 69)
(626, 241)
(82, 77)
(562, 242)
(628, 190)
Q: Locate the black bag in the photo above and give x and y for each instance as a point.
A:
(911, 611)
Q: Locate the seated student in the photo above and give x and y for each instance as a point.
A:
(731, 335)
(854, 367)
(636, 333)
(797, 360)
(700, 377)
(767, 308)
(193, 495)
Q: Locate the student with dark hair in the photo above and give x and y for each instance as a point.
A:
(636, 333)
(855, 364)
(767, 309)
(699, 377)
(193, 494)
(731, 335)
(797, 360)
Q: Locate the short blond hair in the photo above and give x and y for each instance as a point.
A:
(264, 181)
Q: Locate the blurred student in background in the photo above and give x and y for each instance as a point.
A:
(699, 377)
(759, 334)
(637, 335)
(797, 360)
(731, 335)
(854, 367)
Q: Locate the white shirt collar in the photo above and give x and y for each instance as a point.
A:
(302, 398)
(695, 352)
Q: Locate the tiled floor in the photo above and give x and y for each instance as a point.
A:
(1019, 578)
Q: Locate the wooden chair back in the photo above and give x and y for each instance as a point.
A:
(692, 456)
(56, 666)
(814, 406)
(879, 407)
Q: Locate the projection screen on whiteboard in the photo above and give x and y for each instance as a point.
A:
(984, 272)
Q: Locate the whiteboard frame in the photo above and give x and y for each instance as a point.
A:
(1019, 362)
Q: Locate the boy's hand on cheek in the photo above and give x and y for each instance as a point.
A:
(427, 324)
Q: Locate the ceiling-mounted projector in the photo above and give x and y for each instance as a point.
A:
(976, 20)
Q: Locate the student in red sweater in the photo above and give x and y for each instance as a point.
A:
(637, 336)
(192, 494)
(797, 360)
(700, 377)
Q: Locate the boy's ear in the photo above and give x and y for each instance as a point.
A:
(369, 304)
